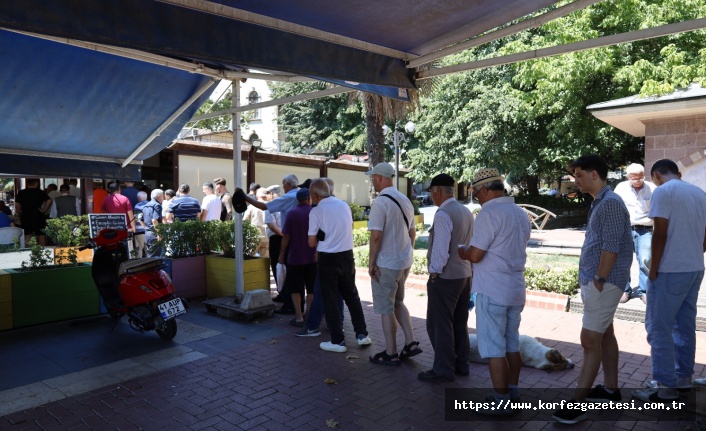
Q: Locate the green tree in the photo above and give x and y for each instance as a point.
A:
(529, 118)
(217, 124)
(333, 123)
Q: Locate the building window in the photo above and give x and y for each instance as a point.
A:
(254, 97)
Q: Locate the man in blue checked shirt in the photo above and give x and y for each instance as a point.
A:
(604, 268)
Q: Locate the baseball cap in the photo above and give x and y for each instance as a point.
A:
(302, 194)
(383, 169)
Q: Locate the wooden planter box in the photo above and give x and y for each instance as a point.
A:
(419, 218)
(5, 300)
(360, 224)
(53, 294)
(220, 275)
(547, 300)
(188, 276)
(84, 256)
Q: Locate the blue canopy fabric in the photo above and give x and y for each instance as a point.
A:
(64, 100)
(71, 101)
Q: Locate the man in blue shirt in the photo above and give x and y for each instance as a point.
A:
(152, 215)
(604, 268)
(184, 207)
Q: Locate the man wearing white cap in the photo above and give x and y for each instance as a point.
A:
(498, 253)
(392, 233)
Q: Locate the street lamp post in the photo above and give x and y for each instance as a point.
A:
(397, 136)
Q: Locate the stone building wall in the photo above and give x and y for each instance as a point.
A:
(682, 139)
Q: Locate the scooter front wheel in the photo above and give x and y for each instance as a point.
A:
(168, 330)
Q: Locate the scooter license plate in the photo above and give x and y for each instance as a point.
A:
(172, 308)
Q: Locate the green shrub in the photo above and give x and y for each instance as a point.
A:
(361, 256)
(196, 237)
(39, 257)
(61, 230)
(419, 266)
(420, 228)
(361, 236)
(225, 238)
(563, 281)
(357, 211)
(415, 204)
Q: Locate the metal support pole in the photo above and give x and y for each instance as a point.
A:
(396, 139)
(238, 178)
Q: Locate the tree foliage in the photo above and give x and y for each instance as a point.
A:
(527, 119)
(530, 118)
(330, 123)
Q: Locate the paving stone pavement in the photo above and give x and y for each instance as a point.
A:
(258, 376)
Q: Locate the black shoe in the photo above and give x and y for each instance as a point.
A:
(431, 376)
(278, 298)
(284, 311)
(569, 416)
(599, 394)
(461, 371)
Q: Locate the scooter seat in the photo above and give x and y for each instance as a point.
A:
(135, 266)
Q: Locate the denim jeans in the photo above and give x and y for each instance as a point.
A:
(642, 244)
(316, 312)
(671, 325)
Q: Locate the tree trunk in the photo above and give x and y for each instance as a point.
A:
(532, 182)
(374, 119)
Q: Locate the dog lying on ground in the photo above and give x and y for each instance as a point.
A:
(534, 354)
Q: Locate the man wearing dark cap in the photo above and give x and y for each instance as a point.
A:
(449, 285)
(298, 256)
(498, 252)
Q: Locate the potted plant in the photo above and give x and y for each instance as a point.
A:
(43, 292)
(186, 245)
(220, 269)
(358, 214)
(68, 233)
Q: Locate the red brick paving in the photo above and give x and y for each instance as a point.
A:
(264, 386)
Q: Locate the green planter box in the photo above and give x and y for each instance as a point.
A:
(5, 300)
(220, 275)
(54, 294)
(189, 276)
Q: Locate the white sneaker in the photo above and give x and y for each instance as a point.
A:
(330, 347)
(656, 395)
(364, 340)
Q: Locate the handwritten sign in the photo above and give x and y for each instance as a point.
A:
(96, 222)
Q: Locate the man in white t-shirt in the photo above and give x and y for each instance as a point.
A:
(211, 205)
(498, 252)
(637, 195)
(331, 233)
(392, 233)
(678, 210)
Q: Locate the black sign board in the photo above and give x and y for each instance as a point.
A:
(96, 222)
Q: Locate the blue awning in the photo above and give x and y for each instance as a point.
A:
(68, 102)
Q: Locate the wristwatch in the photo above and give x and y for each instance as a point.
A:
(599, 279)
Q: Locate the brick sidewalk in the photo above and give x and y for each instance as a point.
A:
(275, 381)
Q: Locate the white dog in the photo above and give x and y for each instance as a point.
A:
(534, 354)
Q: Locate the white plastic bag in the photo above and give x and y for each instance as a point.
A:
(281, 276)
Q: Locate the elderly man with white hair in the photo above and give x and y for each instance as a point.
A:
(637, 195)
(282, 205)
(152, 216)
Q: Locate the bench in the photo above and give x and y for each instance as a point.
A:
(538, 216)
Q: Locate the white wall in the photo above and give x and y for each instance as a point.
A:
(195, 170)
(696, 174)
(266, 125)
(268, 174)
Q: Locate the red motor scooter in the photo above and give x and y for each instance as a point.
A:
(138, 288)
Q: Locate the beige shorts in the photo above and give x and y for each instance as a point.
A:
(599, 307)
(389, 291)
